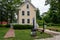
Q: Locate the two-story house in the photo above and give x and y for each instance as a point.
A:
(27, 12)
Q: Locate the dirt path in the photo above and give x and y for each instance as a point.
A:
(54, 38)
(10, 33)
(56, 35)
(49, 32)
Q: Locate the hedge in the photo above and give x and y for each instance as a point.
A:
(22, 26)
(2, 25)
(18, 26)
(51, 24)
(40, 23)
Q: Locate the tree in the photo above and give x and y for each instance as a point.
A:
(54, 10)
(46, 17)
(8, 9)
(38, 14)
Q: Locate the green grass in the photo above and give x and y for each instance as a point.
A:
(22, 34)
(51, 26)
(26, 35)
(2, 32)
(43, 35)
(54, 28)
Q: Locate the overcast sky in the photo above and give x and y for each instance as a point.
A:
(40, 4)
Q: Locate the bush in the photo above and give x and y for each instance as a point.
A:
(7, 25)
(40, 22)
(18, 26)
(55, 24)
(0, 25)
(51, 24)
(22, 26)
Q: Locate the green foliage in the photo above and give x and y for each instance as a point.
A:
(8, 8)
(18, 26)
(38, 15)
(53, 15)
(8, 26)
(52, 24)
(40, 22)
(47, 17)
(22, 26)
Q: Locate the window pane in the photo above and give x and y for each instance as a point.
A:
(27, 6)
(23, 21)
(28, 20)
(28, 13)
(22, 12)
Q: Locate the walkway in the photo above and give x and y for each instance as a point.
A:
(55, 34)
(10, 33)
(49, 32)
(54, 38)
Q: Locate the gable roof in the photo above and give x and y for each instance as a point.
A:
(29, 3)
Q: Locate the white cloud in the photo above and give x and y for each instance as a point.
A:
(41, 5)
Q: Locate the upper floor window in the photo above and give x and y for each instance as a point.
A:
(27, 6)
(23, 20)
(28, 13)
(23, 13)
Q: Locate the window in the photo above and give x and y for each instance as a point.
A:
(23, 20)
(27, 6)
(23, 13)
(28, 20)
(28, 13)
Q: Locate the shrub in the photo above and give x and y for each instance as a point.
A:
(55, 24)
(40, 22)
(22, 26)
(7, 25)
(17, 26)
(51, 24)
(0, 25)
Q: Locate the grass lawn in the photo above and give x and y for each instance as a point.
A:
(2, 32)
(22, 34)
(54, 28)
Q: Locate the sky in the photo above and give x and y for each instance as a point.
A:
(41, 5)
